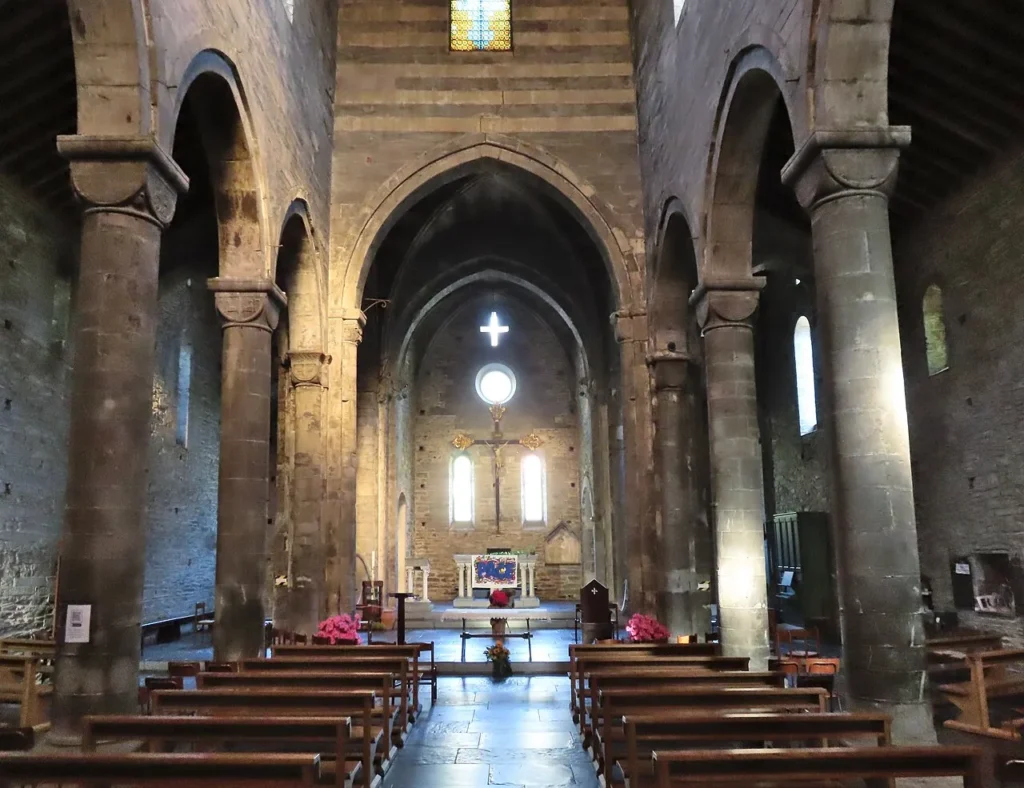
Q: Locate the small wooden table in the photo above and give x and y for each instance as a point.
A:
(487, 613)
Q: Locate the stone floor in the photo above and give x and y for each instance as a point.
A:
(518, 733)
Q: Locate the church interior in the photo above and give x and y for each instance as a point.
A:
(511, 392)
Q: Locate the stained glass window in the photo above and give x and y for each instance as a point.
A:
(534, 497)
(803, 354)
(935, 331)
(462, 489)
(481, 25)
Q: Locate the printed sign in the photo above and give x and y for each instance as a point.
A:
(76, 629)
(962, 568)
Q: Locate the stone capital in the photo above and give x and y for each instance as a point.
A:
(727, 303)
(245, 303)
(670, 369)
(307, 368)
(353, 323)
(836, 163)
(629, 325)
(128, 175)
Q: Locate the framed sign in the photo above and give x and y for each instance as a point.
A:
(76, 629)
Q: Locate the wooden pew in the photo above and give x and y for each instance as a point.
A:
(357, 704)
(18, 685)
(16, 739)
(330, 733)
(673, 730)
(583, 663)
(43, 649)
(649, 674)
(174, 770)
(339, 664)
(618, 702)
(412, 651)
(822, 765)
(380, 682)
(989, 678)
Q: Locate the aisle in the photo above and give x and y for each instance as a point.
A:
(519, 733)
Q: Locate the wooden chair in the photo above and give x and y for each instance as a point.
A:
(371, 608)
(183, 670)
(598, 617)
(202, 622)
(19, 684)
(792, 671)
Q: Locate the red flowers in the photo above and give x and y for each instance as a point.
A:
(644, 629)
(340, 630)
(499, 598)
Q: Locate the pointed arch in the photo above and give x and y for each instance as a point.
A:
(448, 163)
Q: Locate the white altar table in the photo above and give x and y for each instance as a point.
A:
(485, 615)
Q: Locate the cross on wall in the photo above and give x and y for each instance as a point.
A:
(494, 328)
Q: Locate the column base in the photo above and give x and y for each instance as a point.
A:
(470, 602)
(418, 608)
(527, 601)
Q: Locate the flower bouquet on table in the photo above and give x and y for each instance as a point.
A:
(644, 629)
(500, 659)
(340, 631)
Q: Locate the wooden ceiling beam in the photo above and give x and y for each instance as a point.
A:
(984, 124)
(938, 18)
(22, 17)
(899, 103)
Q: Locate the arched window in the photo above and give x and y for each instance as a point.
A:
(935, 331)
(289, 9)
(184, 394)
(481, 25)
(677, 7)
(535, 503)
(462, 489)
(803, 355)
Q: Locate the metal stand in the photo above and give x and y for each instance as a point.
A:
(527, 636)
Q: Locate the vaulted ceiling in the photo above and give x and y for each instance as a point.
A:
(956, 75)
(37, 96)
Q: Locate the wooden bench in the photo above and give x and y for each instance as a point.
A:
(380, 682)
(19, 684)
(579, 667)
(43, 649)
(359, 663)
(989, 678)
(672, 730)
(174, 770)
(821, 765)
(412, 651)
(329, 733)
(357, 704)
(16, 739)
(619, 702)
(648, 675)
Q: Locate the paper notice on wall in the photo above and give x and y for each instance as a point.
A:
(76, 629)
(962, 568)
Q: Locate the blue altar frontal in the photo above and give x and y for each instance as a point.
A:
(495, 571)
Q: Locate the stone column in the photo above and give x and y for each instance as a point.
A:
(307, 605)
(684, 528)
(128, 187)
(249, 311)
(411, 590)
(341, 534)
(844, 179)
(725, 311)
(426, 583)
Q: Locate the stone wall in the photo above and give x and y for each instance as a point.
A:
(181, 535)
(35, 291)
(965, 423)
(447, 403)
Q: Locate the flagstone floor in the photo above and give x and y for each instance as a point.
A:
(515, 734)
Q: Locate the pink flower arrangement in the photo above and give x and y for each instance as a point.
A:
(499, 598)
(644, 629)
(340, 630)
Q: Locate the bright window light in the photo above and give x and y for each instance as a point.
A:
(803, 353)
(534, 493)
(462, 489)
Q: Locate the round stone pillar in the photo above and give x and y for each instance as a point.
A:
(685, 535)
(844, 179)
(725, 311)
(307, 604)
(341, 534)
(129, 187)
(249, 311)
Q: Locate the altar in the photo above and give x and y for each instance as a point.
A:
(496, 571)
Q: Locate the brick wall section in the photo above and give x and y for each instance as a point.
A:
(34, 394)
(965, 423)
(401, 93)
(181, 536)
(447, 403)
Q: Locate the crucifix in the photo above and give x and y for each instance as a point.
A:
(496, 443)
